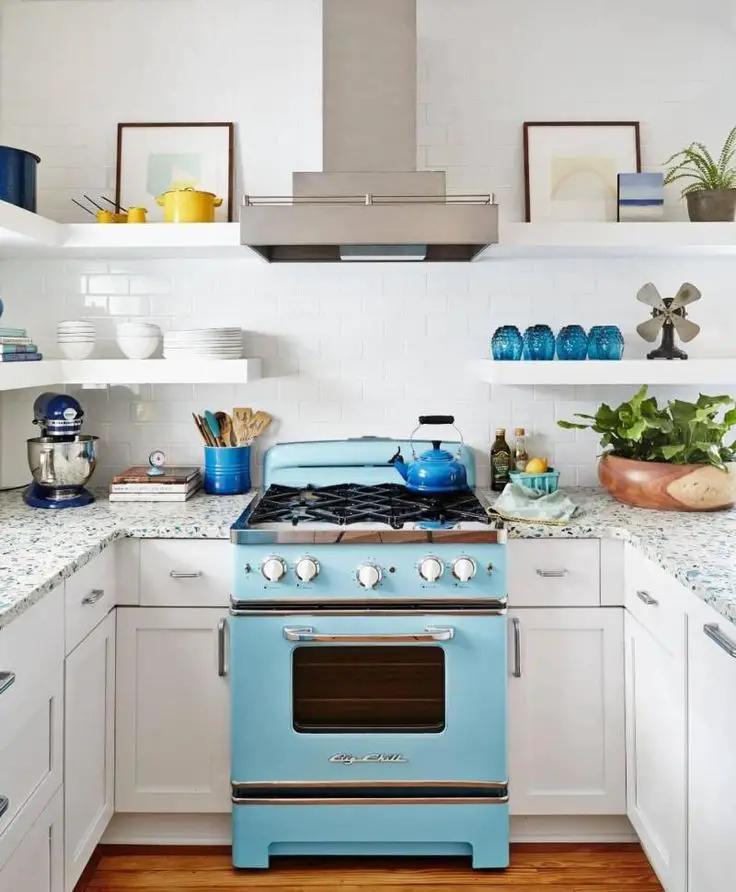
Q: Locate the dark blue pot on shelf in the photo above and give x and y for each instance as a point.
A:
(18, 177)
(507, 343)
(539, 343)
(572, 343)
(605, 342)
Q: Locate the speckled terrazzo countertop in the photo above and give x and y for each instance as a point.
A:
(38, 549)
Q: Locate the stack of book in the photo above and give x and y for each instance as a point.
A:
(16, 346)
(174, 485)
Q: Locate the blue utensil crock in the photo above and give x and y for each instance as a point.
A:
(539, 343)
(572, 343)
(507, 343)
(226, 470)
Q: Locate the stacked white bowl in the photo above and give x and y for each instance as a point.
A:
(76, 340)
(204, 343)
(138, 340)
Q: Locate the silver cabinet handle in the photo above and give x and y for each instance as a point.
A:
(517, 647)
(222, 627)
(647, 599)
(94, 596)
(430, 633)
(552, 574)
(6, 680)
(4, 805)
(723, 641)
(175, 574)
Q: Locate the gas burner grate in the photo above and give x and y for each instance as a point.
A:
(347, 503)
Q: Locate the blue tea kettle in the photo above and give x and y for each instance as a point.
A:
(436, 470)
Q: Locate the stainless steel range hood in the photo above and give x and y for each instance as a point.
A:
(370, 203)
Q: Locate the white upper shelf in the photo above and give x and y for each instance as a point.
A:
(625, 371)
(22, 233)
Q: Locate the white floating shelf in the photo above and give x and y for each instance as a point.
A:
(205, 240)
(625, 371)
(160, 371)
(17, 375)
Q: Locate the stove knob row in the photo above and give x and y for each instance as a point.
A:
(368, 575)
(464, 569)
(273, 569)
(431, 568)
(306, 569)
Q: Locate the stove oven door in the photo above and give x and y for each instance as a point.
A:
(407, 699)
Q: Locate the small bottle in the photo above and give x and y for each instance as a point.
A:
(521, 455)
(500, 461)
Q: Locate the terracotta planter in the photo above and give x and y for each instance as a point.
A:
(666, 487)
(711, 205)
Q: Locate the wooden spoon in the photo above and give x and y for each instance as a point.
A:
(226, 428)
(241, 425)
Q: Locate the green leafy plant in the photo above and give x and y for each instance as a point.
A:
(680, 433)
(696, 163)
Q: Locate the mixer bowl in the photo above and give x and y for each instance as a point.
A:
(62, 465)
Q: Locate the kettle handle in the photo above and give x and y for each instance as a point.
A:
(436, 419)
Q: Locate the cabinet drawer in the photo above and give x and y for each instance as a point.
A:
(656, 600)
(31, 746)
(177, 573)
(554, 573)
(32, 855)
(90, 595)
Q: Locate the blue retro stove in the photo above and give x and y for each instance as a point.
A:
(368, 663)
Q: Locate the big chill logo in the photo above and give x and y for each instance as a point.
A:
(350, 759)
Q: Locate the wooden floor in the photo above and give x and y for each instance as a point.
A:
(534, 868)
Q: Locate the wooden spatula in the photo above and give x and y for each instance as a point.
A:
(259, 423)
(241, 425)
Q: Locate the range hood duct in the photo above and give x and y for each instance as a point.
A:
(370, 203)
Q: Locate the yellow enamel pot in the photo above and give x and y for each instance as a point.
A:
(188, 206)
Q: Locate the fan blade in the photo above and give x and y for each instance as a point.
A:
(687, 294)
(650, 329)
(649, 295)
(686, 330)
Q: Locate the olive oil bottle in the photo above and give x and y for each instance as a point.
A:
(500, 461)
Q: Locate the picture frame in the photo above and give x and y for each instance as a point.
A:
(571, 168)
(154, 157)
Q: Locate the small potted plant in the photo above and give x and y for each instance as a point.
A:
(711, 194)
(672, 458)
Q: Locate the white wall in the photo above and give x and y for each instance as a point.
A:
(351, 351)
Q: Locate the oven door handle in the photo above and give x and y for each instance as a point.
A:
(430, 634)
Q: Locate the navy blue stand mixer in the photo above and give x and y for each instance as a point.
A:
(62, 459)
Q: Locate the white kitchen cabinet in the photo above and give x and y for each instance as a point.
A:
(656, 745)
(36, 863)
(712, 750)
(173, 715)
(89, 763)
(566, 712)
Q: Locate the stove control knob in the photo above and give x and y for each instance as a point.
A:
(463, 569)
(369, 575)
(273, 569)
(431, 568)
(306, 569)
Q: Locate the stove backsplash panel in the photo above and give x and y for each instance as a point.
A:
(352, 350)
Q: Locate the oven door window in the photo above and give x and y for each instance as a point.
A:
(366, 689)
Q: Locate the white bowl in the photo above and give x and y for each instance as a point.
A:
(74, 329)
(138, 348)
(76, 349)
(141, 329)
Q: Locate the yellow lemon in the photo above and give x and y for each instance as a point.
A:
(537, 466)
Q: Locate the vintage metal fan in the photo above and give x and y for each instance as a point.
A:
(668, 316)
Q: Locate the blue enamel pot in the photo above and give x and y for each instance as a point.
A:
(18, 177)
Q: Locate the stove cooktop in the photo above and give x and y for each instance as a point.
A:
(388, 504)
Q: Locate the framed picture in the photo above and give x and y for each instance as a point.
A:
(154, 158)
(571, 168)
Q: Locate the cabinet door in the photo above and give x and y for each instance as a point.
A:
(173, 715)
(712, 763)
(656, 749)
(566, 712)
(90, 746)
(37, 863)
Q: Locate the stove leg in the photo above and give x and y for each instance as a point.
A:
(250, 856)
(490, 855)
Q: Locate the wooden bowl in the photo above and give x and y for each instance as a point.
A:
(666, 487)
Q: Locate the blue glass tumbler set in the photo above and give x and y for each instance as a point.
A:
(572, 343)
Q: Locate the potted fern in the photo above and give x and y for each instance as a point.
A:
(711, 194)
(673, 457)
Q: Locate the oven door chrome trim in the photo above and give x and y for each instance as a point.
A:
(429, 635)
(394, 607)
(416, 800)
(498, 786)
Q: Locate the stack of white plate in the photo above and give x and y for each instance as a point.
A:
(76, 339)
(204, 343)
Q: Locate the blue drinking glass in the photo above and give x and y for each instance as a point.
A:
(507, 343)
(539, 343)
(572, 343)
(594, 336)
(610, 343)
